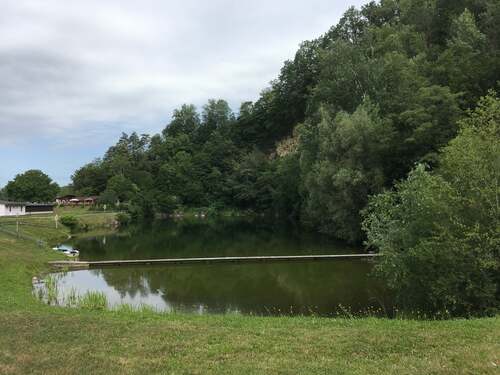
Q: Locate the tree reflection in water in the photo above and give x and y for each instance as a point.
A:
(255, 288)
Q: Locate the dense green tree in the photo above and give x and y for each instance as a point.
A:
(127, 155)
(91, 179)
(349, 166)
(351, 27)
(252, 182)
(166, 204)
(3, 194)
(216, 115)
(438, 230)
(180, 178)
(464, 64)
(427, 124)
(347, 75)
(122, 187)
(184, 121)
(32, 186)
(108, 197)
(287, 199)
(66, 190)
(381, 14)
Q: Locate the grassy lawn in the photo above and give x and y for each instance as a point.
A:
(35, 338)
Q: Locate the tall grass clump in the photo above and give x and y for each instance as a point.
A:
(72, 298)
(93, 301)
(51, 290)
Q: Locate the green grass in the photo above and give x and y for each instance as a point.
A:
(36, 338)
(90, 219)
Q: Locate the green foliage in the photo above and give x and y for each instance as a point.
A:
(123, 219)
(439, 232)
(166, 204)
(31, 186)
(121, 186)
(184, 121)
(348, 167)
(108, 197)
(463, 60)
(70, 221)
(286, 195)
(426, 126)
(66, 190)
(3, 194)
(90, 179)
(253, 182)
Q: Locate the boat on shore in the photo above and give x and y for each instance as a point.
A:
(67, 250)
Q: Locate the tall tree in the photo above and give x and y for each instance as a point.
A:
(32, 186)
(91, 179)
(349, 166)
(465, 64)
(184, 121)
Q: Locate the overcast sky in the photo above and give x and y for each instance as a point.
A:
(75, 74)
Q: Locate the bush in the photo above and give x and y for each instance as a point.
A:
(166, 204)
(123, 219)
(439, 231)
(69, 221)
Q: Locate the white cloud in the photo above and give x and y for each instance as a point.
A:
(87, 66)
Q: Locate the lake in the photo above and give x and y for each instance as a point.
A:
(311, 287)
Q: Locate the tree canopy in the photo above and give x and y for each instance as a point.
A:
(31, 186)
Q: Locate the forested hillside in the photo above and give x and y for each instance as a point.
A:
(347, 118)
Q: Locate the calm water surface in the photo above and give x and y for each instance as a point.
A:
(319, 287)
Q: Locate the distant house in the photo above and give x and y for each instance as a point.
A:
(73, 200)
(64, 199)
(9, 208)
(82, 201)
(90, 200)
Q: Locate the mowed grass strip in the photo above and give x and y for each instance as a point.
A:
(35, 338)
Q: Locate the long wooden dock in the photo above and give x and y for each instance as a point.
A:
(151, 262)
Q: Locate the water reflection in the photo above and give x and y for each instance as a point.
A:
(257, 288)
(209, 238)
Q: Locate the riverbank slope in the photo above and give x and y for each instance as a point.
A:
(35, 338)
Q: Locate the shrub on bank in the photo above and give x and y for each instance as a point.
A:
(439, 231)
(123, 219)
(70, 222)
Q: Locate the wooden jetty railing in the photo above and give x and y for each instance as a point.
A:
(149, 262)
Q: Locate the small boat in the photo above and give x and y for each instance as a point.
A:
(67, 250)
(71, 253)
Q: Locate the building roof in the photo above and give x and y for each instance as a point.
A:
(13, 203)
(79, 199)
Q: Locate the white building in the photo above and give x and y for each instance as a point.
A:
(8, 208)
(12, 208)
